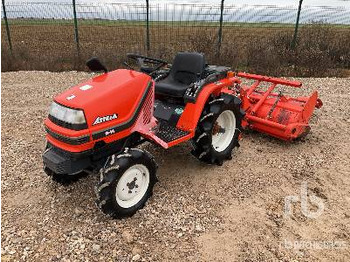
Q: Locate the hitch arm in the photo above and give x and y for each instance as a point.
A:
(270, 79)
(262, 100)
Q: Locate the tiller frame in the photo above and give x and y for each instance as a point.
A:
(280, 116)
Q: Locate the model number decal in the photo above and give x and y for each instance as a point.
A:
(110, 132)
(103, 119)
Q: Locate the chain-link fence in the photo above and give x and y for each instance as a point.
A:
(265, 38)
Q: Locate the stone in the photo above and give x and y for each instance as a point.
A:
(137, 257)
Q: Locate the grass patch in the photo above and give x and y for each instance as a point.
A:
(322, 50)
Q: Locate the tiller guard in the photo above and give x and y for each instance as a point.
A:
(280, 116)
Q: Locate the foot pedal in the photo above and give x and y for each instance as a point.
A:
(169, 133)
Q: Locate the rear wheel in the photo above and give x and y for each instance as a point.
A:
(218, 129)
(126, 183)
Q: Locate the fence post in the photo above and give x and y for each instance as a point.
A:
(220, 27)
(147, 26)
(294, 41)
(76, 34)
(7, 26)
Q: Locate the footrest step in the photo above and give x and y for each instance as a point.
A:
(169, 133)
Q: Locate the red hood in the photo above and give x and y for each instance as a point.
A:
(98, 88)
(117, 92)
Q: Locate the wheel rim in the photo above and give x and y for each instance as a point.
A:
(132, 186)
(223, 130)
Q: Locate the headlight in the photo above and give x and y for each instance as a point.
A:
(67, 115)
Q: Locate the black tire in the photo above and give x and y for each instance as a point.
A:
(115, 168)
(64, 179)
(202, 141)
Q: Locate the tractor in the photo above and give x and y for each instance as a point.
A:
(98, 126)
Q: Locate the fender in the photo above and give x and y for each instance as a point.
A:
(192, 112)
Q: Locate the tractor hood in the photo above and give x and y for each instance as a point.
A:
(108, 99)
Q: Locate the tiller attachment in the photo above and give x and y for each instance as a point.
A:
(280, 116)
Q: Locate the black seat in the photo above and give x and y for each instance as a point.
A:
(186, 69)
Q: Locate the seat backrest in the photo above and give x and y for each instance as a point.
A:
(188, 67)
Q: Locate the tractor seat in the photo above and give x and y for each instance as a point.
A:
(186, 69)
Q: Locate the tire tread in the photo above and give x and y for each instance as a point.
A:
(105, 189)
(203, 149)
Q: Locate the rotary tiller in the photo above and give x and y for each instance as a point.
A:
(97, 126)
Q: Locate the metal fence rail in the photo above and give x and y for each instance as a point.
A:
(76, 28)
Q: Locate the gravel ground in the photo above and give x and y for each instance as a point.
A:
(198, 212)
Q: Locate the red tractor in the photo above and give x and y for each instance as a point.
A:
(97, 126)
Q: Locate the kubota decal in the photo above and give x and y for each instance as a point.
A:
(70, 97)
(103, 119)
(85, 87)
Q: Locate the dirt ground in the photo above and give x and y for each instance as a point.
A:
(233, 212)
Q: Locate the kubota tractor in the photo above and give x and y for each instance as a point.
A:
(97, 126)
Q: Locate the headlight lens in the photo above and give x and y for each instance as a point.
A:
(68, 115)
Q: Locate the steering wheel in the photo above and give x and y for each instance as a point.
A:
(142, 61)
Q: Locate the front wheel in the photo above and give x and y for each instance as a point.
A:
(218, 129)
(126, 183)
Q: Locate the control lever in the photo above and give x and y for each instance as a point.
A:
(127, 65)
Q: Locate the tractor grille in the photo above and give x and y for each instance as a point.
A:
(147, 109)
(68, 140)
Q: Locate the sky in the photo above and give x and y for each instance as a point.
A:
(267, 11)
(332, 3)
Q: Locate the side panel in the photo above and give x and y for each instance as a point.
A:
(124, 101)
(112, 127)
